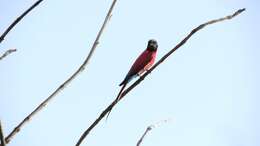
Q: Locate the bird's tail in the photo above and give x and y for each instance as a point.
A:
(117, 98)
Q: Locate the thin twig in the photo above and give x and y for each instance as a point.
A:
(149, 128)
(142, 137)
(2, 138)
(2, 37)
(7, 53)
(101, 116)
(62, 86)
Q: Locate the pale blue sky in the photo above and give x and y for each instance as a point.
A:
(210, 86)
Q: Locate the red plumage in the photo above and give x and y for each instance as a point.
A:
(141, 64)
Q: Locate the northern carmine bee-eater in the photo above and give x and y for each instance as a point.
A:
(141, 64)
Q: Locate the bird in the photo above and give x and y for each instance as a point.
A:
(143, 63)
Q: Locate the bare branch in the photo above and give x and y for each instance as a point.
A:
(62, 86)
(2, 37)
(101, 116)
(2, 138)
(179, 45)
(149, 128)
(7, 53)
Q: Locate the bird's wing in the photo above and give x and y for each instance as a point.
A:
(140, 63)
(151, 61)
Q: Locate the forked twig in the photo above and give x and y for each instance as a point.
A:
(2, 37)
(149, 128)
(62, 86)
(101, 116)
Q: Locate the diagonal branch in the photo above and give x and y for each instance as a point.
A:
(101, 116)
(179, 45)
(7, 53)
(17, 20)
(2, 139)
(62, 86)
(149, 128)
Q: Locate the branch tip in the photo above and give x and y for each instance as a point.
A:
(17, 20)
(7, 53)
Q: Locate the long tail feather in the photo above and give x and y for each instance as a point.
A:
(117, 98)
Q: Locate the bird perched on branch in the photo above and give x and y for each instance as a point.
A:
(141, 64)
